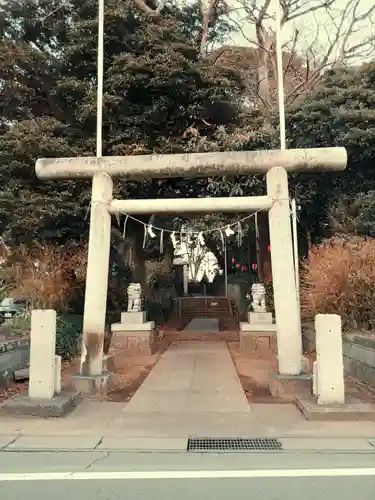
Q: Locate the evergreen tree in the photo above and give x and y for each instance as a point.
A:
(156, 89)
(341, 112)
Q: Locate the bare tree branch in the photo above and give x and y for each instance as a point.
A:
(321, 34)
(207, 14)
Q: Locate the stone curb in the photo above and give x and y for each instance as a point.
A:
(66, 443)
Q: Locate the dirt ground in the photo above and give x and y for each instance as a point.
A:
(14, 389)
(254, 374)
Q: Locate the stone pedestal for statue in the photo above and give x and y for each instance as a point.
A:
(138, 317)
(258, 335)
(134, 335)
(260, 319)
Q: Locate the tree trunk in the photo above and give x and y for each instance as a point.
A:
(168, 256)
(264, 42)
(134, 256)
(206, 14)
(216, 249)
(129, 248)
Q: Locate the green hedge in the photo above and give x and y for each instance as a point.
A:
(68, 331)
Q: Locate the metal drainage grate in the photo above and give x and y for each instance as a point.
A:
(233, 445)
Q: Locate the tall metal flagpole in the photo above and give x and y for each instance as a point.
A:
(100, 78)
(281, 103)
(280, 75)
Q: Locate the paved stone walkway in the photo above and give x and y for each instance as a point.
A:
(203, 325)
(192, 377)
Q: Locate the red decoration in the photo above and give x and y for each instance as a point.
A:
(238, 266)
(233, 260)
(269, 248)
(255, 267)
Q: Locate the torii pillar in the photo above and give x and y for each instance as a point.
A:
(287, 312)
(274, 164)
(97, 276)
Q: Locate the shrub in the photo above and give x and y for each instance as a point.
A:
(160, 290)
(50, 277)
(68, 333)
(338, 278)
(270, 304)
(19, 324)
(116, 296)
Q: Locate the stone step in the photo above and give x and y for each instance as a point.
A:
(202, 314)
(211, 306)
(204, 311)
(209, 303)
(195, 308)
(182, 336)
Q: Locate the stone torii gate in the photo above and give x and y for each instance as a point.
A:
(274, 164)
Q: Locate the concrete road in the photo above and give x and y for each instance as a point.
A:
(184, 476)
(220, 489)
